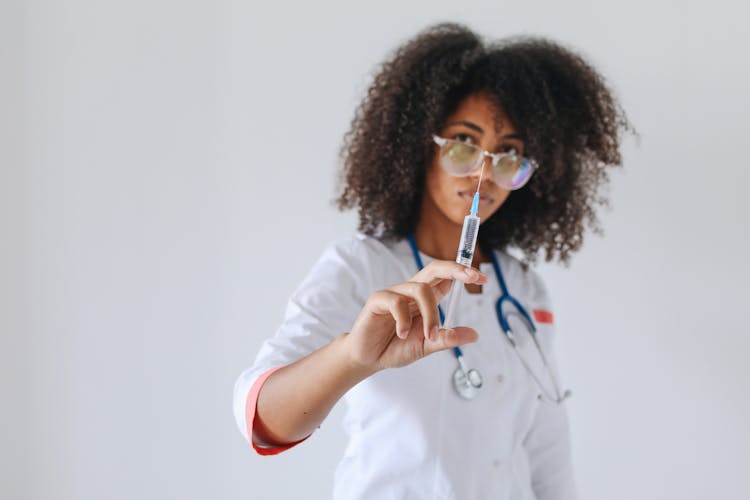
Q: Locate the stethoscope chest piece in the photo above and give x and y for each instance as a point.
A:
(467, 383)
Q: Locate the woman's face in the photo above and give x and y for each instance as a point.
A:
(479, 121)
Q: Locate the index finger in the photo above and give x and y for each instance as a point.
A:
(439, 270)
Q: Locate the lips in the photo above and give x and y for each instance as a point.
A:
(484, 199)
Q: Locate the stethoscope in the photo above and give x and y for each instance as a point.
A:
(467, 381)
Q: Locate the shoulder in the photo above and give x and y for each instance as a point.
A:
(358, 246)
(357, 252)
(355, 259)
(363, 250)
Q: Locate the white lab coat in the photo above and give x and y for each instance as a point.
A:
(410, 435)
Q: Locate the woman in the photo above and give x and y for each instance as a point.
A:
(446, 116)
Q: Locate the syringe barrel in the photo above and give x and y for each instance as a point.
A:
(468, 241)
(465, 256)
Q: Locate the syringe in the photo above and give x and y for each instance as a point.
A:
(465, 254)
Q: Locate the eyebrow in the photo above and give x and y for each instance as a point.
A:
(479, 129)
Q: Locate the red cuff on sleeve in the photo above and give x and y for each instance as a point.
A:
(543, 316)
(250, 405)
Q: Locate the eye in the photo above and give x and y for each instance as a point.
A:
(511, 149)
(464, 138)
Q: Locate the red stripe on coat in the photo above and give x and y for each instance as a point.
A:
(542, 316)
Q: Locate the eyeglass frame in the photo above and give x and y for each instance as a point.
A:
(495, 157)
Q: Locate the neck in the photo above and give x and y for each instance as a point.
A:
(438, 236)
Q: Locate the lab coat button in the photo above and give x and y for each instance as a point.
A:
(500, 377)
(496, 462)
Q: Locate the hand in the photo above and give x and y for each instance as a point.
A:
(399, 325)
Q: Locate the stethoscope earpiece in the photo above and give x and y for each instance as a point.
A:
(568, 393)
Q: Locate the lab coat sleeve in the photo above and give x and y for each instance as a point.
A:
(548, 440)
(323, 306)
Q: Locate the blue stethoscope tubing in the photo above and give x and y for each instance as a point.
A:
(468, 381)
(507, 297)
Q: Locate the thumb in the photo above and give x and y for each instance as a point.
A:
(449, 338)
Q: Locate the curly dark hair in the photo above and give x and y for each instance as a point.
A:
(570, 121)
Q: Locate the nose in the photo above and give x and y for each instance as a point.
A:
(483, 170)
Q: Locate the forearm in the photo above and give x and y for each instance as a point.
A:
(296, 398)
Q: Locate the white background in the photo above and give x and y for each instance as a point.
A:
(166, 172)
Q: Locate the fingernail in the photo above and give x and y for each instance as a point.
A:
(471, 272)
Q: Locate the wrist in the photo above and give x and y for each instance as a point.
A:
(356, 368)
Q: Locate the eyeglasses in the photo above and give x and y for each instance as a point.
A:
(509, 170)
